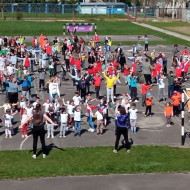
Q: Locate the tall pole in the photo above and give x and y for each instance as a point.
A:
(182, 122)
(173, 11)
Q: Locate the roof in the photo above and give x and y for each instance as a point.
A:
(104, 4)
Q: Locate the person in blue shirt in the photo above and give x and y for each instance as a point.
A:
(121, 127)
(133, 83)
(107, 50)
(146, 43)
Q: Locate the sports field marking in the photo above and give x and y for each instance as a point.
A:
(23, 142)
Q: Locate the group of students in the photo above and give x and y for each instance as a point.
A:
(147, 71)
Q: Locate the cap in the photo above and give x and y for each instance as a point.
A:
(148, 94)
(47, 99)
(175, 92)
(74, 66)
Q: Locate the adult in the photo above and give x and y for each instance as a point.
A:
(13, 87)
(38, 128)
(146, 70)
(121, 127)
(54, 92)
(122, 61)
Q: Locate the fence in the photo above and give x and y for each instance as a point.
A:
(167, 12)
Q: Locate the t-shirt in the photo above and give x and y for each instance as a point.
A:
(46, 106)
(161, 83)
(122, 120)
(133, 113)
(64, 117)
(168, 110)
(99, 115)
(77, 100)
(24, 117)
(6, 106)
(8, 118)
(77, 116)
(29, 111)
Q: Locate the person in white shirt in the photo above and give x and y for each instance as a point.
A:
(36, 102)
(161, 88)
(47, 105)
(11, 69)
(6, 106)
(99, 116)
(25, 125)
(64, 118)
(133, 117)
(76, 99)
(53, 90)
(77, 119)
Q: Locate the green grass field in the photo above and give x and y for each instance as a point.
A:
(94, 161)
(171, 26)
(32, 28)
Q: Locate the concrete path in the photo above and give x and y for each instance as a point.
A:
(113, 37)
(164, 31)
(111, 182)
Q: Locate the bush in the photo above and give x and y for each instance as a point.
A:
(19, 15)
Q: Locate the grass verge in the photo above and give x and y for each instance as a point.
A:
(178, 27)
(94, 161)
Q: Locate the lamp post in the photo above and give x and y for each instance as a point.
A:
(173, 11)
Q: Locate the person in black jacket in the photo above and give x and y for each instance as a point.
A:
(91, 59)
(122, 61)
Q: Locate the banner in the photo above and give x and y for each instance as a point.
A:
(80, 28)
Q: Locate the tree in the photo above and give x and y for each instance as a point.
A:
(2, 6)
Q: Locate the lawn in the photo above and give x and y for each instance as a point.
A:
(179, 27)
(94, 161)
(32, 28)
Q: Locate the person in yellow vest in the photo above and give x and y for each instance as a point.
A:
(110, 85)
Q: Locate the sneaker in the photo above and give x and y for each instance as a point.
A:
(64, 136)
(60, 136)
(22, 136)
(113, 102)
(114, 151)
(48, 137)
(73, 128)
(26, 136)
(98, 133)
(79, 135)
(44, 155)
(67, 128)
(135, 132)
(136, 101)
(131, 132)
(52, 136)
(150, 115)
(114, 96)
(130, 100)
(92, 130)
(128, 151)
(34, 156)
(75, 135)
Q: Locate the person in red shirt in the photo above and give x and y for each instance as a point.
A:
(115, 64)
(71, 60)
(178, 71)
(176, 101)
(96, 40)
(95, 69)
(110, 69)
(158, 68)
(144, 89)
(185, 51)
(168, 111)
(97, 84)
(186, 69)
(99, 65)
(134, 67)
(27, 62)
(78, 64)
(90, 68)
(48, 50)
(154, 75)
(34, 41)
(126, 72)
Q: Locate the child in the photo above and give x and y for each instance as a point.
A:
(144, 89)
(64, 119)
(83, 57)
(133, 117)
(50, 127)
(51, 69)
(90, 108)
(42, 73)
(148, 104)
(77, 119)
(161, 88)
(22, 105)
(6, 106)
(8, 123)
(146, 43)
(36, 102)
(47, 105)
(24, 116)
(64, 69)
(168, 111)
(76, 99)
(99, 116)
(176, 102)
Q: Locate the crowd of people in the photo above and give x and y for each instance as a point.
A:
(89, 65)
